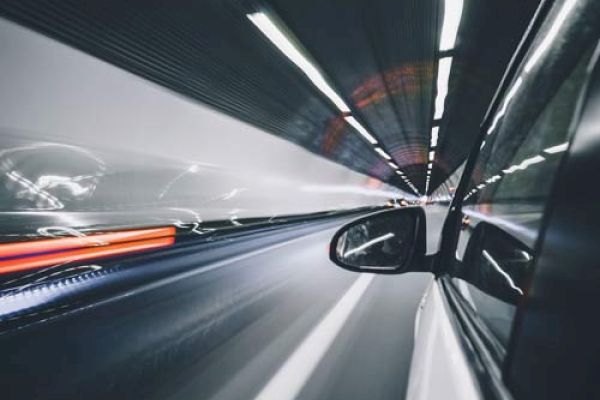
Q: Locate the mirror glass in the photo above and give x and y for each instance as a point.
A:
(382, 241)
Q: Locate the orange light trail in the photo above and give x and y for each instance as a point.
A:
(81, 248)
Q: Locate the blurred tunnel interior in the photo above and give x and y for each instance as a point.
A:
(171, 173)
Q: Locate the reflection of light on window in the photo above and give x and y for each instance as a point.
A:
(557, 149)
(369, 244)
(509, 96)
(234, 193)
(279, 39)
(394, 166)
(530, 161)
(551, 35)
(70, 183)
(31, 188)
(509, 280)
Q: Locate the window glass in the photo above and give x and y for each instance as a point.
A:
(510, 185)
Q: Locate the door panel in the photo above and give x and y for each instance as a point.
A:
(439, 369)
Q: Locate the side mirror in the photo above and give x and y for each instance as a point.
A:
(389, 242)
(497, 263)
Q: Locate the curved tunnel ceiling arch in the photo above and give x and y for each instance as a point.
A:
(380, 56)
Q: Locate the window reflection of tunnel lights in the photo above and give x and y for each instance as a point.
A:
(557, 149)
(524, 164)
(430, 165)
(434, 136)
(279, 39)
(360, 129)
(511, 169)
(431, 156)
(369, 244)
(394, 166)
(551, 35)
(22, 256)
(530, 161)
(507, 277)
(383, 153)
(452, 14)
(445, 64)
(509, 96)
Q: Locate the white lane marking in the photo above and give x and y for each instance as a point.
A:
(294, 373)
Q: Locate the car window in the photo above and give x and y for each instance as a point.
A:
(512, 180)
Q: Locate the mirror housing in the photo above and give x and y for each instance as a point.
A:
(497, 263)
(387, 242)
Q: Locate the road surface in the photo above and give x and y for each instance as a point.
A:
(277, 321)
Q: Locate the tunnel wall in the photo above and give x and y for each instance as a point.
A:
(83, 142)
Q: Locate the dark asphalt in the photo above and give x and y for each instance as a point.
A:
(229, 330)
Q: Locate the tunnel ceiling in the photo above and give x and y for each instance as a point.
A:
(380, 56)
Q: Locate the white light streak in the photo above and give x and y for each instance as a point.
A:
(530, 161)
(557, 149)
(507, 277)
(452, 14)
(283, 43)
(360, 129)
(509, 96)
(551, 35)
(431, 156)
(394, 166)
(445, 64)
(368, 244)
(511, 169)
(434, 136)
(383, 153)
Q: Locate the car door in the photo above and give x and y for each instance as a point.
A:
(508, 191)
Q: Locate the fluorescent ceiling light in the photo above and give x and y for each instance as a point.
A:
(431, 155)
(434, 136)
(391, 164)
(283, 43)
(383, 153)
(443, 77)
(452, 13)
(360, 129)
(430, 165)
(551, 35)
(557, 149)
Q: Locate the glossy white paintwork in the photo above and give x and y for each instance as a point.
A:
(439, 368)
